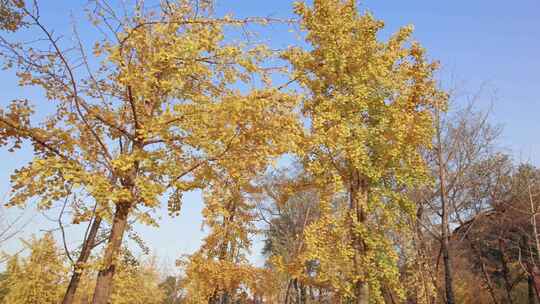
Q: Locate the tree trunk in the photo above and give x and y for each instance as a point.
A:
(531, 292)
(488, 282)
(220, 296)
(297, 292)
(535, 273)
(105, 276)
(426, 273)
(303, 294)
(83, 258)
(358, 196)
(362, 292)
(448, 277)
(288, 291)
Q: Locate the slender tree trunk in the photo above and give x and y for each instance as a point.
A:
(448, 277)
(288, 291)
(297, 292)
(531, 292)
(447, 262)
(105, 276)
(488, 283)
(303, 294)
(535, 274)
(358, 196)
(225, 253)
(426, 273)
(83, 258)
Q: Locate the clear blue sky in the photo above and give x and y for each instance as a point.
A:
(481, 43)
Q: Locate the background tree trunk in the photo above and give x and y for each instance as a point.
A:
(358, 198)
(83, 258)
(531, 292)
(448, 278)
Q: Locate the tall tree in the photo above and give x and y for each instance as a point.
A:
(219, 272)
(288, 205)
(464, 142)
(163, 104)
(368, 104)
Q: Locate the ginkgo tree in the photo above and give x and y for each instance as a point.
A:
(219, 272)
(368, 109)
(162, 107)
(288, 204)
(39, 278)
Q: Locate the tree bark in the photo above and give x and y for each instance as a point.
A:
(105, 276)
(83, 258)
(448, 276)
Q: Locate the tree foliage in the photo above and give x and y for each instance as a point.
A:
(38, 278)
(350, 171)
(369, 105)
